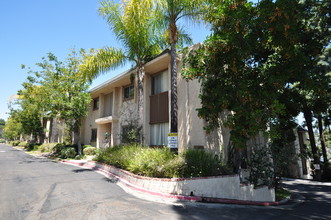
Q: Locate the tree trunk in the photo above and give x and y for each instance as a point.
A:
(42, 134)
(79, 145)
(72, 137)
(140, 73)
(237, 161)
(308, 117)
(322, 139)
(174, 107)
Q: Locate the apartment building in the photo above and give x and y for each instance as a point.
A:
(114, 108)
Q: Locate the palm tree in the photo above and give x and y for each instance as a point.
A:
(169, 12)
(131, 22)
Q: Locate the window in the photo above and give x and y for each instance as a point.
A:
(94, 133)
(159, 100)
(96, 104)
(128, 92)
(160, 83)
(159, 108)
(159, 134)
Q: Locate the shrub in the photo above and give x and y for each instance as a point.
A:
(2, 140)
(175, 167)
(47, 147)
(150, 162)
(68, 152)
(31, 147)
(57, 148)
(161, 162)
(89, 150)
(14, 143)
(22, 144)
(261, 169)
(118, 156)
(200, 163)
(86, 146)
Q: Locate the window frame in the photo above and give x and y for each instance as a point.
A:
(94, 134)
(96, 104)
(131, 96)
(153, 78)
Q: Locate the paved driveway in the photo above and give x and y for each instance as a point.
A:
(34, 188)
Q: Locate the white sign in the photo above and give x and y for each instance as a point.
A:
(173, 140)
(317, 167)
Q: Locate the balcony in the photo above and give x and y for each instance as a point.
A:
(105, 120)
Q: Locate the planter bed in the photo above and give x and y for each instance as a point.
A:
(212, 188)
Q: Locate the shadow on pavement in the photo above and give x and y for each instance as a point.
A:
(82, 170)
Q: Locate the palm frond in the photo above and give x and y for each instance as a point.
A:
(131, 22)
(184, 38)
(101, 61)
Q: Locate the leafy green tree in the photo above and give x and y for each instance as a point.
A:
(312, 87)
(255, 59)
(2, 125)
(29, 108)
(231, 67)
(322, 138)
(12, 129)
(132, 24)
(67, 90)
(56, 90)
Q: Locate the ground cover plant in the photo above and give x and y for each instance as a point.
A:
(162, 162)
(282, 194)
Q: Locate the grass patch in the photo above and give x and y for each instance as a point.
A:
(162, 162)
(282, 194)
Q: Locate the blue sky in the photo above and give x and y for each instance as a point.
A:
(30, 29)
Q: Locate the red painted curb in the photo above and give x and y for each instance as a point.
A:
(179, 197)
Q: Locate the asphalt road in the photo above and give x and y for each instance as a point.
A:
(34, 188)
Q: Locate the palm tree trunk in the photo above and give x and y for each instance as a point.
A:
(322, 139)
(140, 73)
(308, 117)
(173, 95)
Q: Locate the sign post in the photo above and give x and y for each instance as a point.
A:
(173, 140)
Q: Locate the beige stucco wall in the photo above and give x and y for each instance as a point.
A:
(191, 131)
(117, 94)
(147, 94)
(89, 124)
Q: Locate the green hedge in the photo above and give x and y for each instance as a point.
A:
(163, 163)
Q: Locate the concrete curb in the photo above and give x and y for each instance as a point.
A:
(126, 183)
(307, 181)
